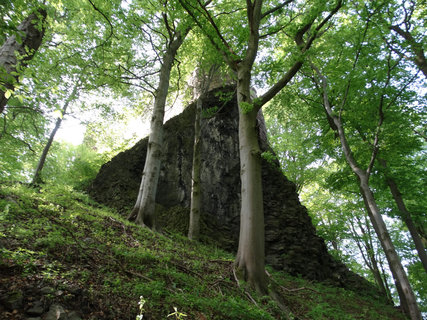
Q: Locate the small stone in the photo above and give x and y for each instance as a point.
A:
(59, 293)
(36, 310)
(55, 312)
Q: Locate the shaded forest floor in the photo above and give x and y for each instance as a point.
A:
(64, 256)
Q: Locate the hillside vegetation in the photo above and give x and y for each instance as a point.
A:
(61, 251)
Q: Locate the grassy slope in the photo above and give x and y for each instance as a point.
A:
(100, 264)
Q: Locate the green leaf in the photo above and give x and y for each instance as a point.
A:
(7, 94)
(246, 107)
(15, 102)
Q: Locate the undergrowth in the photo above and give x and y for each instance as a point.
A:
(104, 265)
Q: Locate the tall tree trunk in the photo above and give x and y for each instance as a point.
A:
(407, 297)
(250, 255)
(251, 252)
(381, 279)
(144, 209)
(37, 174)
(406, 216)
(194, 226)
(30, 34)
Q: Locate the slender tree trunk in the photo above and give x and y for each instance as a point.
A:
(194, 227)
(381, 280)
(406, 216)
(370, 258)
(144, 209)
(37, 174)
(384, 276)
(30, 32)
(407, 297)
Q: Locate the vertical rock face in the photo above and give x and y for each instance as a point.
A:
(291, 241)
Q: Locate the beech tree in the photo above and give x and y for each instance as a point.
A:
(371, 109)
(403, 286)
(329, 193)
(407, 39)
(72, 44)
(334, 108)
(240, 48)
(17, 50)
(37, 174)
(173, 31)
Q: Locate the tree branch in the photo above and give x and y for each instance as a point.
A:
(320, 26)
(227, 58)
(213, 24)
(297, 65)
(105, 17)
(272, 10)
(265, 35)
(417, 49)
(340, 130)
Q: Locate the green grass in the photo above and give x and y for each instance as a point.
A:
(102, 265)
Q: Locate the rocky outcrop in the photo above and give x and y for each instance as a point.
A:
(291, 241)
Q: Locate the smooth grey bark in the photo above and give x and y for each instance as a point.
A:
(144, 209)
(37, 174)
(250, 254)
(405, 215)
(18, 50)
(406, 294)
(250, 258)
